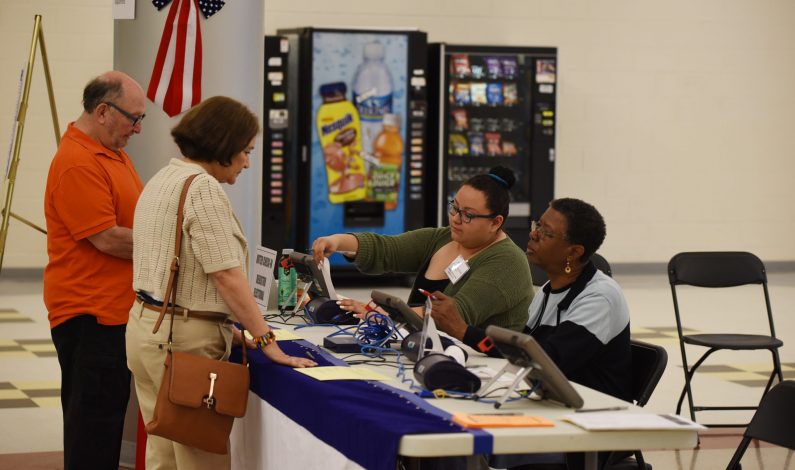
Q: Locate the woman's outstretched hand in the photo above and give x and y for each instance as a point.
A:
(275, 354)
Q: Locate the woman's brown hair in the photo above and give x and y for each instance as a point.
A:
(215, 130)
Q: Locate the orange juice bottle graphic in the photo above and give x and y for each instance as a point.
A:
(388, 149)
(340, 138)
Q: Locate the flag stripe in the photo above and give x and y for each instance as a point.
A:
(157, 72)
(190, 49)
(167, 67)
(173, 100)
(197, 66)
(176, 77)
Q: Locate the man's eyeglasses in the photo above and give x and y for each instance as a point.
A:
(535, 226)
(466, 217)
(132, 117)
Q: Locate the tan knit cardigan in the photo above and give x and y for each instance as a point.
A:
(212, 241)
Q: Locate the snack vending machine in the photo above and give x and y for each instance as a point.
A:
(494, 106)
(344, 138)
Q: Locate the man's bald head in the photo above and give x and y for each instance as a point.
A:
(110, 86)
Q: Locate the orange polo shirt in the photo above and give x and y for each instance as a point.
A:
(90, 188)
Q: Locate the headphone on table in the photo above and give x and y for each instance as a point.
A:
(324, 311)
(436, 370)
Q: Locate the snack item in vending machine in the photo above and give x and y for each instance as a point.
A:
(508, 148)
(510, 94)
(476, 147)
(478, 92)
(494, 94)
(452, 173)
(460, 121)
(477, 124)
(493, 148)
(507, 125)
(545, 71)
(458, 145)
(462, 93)
(508, 64)
(492, 124)
(477, 71)
(459, 65)
(493, 69)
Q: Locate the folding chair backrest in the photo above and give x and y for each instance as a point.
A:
(774, 421)
(601, 264)
(716, 269)
(648, 365)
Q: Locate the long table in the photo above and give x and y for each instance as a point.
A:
(294, 421)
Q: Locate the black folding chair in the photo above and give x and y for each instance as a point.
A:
(773, 422)
(648, 365)
(540, 277)
(714, 270)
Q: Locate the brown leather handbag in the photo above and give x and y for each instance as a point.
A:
(199, 397)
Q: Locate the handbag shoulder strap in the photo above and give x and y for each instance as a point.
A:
(170, 296)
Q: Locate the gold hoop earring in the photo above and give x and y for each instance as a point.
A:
(567, 269)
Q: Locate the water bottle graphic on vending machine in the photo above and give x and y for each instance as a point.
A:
(372, 94)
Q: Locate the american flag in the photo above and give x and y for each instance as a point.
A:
(207, 7)
(177, 75)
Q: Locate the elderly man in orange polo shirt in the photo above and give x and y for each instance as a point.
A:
(89, 203)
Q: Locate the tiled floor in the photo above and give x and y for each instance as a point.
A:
(30, 433)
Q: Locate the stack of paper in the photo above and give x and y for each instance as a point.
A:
(612, 421)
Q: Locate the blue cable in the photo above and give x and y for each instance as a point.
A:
(375, 331)
(401, 375)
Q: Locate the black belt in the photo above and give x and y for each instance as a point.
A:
(197, 314)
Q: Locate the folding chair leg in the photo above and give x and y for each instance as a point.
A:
(687, 389)
(641, 461)
(777, 365)
(776, 372)
(769, 383)
(738, 454)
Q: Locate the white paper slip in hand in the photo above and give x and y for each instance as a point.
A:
(326, 270)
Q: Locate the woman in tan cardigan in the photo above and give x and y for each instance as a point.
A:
(215, 139)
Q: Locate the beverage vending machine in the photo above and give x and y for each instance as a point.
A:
(494, 106)
(344, 139)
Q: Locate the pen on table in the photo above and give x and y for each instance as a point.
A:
(310, 355)
(496, 414)
(426, 294)
(610, 408)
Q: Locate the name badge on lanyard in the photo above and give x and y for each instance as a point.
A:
(457, 269)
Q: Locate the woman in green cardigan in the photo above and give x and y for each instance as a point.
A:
(471, 266)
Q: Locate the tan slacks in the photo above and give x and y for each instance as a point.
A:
(146, 353)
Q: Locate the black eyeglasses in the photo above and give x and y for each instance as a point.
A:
(466, 217)
(132, 117)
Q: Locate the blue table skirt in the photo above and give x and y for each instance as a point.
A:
(364, 420)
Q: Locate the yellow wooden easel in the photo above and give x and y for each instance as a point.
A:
(13, 164)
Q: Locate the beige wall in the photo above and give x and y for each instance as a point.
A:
(674, 118)
(79, 39)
